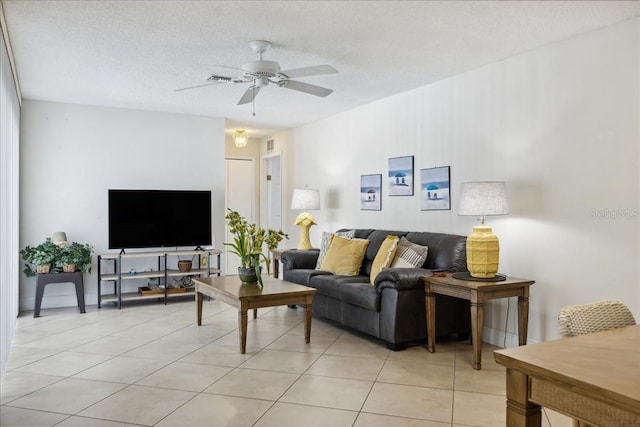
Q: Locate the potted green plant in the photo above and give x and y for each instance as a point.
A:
(41, 257)
(248, 242)
(75, 256)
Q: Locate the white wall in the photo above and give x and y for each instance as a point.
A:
(559, 124)
(71, 155)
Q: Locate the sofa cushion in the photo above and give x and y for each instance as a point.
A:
(340, 287)
(446, 251)
(384, 257)
(326, 241)
(409, 255)
(344, 256)
(361, 294)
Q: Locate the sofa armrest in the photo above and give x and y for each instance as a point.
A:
(401, 279)
(299, 259)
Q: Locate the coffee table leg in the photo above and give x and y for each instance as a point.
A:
(477, 318)
(199, 298)
(308, 314)
(242, 326)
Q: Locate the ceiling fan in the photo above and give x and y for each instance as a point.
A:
(261, 72)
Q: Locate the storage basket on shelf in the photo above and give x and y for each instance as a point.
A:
(184, 265)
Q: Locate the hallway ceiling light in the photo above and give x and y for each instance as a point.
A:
(240, 138)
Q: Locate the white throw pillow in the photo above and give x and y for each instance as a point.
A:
(409, 255)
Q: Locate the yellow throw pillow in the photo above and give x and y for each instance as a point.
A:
(326, 241)
(384, 257)
(344, 256)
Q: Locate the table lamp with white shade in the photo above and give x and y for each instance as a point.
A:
(305, 199)
(483, 249)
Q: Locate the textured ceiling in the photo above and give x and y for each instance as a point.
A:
(133, 54)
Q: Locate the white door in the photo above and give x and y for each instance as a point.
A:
(272, 192)
(240, 196)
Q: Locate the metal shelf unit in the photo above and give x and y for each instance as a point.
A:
(162, 273)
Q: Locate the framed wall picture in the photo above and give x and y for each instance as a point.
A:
(434, 189)
(370, 192)
(401, 176)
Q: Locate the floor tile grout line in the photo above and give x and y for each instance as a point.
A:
(287, 330)
(33, 391)
(232, 370)
(373, 384)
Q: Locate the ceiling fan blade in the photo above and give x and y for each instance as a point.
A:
(306, 88)
(249, 95)
(197, 86)
(309, 71)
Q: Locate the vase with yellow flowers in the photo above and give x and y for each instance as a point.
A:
(248, 244)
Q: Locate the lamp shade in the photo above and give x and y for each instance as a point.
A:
(60, 238)
(305, 199)
(240, 138)
(483, 198)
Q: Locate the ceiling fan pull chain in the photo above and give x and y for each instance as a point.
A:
(254, 101)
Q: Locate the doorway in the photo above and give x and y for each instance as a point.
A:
(240, 195)
(271, 185)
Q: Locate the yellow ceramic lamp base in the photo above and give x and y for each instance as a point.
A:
(305, 221)
(483, 252)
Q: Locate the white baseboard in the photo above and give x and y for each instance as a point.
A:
(497, 337)
(56, 301)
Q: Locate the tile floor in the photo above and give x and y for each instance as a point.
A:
(150, 365)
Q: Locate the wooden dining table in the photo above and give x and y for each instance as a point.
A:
(593, 378)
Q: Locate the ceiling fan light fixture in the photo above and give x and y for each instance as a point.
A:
(261, 81)
(240, 138)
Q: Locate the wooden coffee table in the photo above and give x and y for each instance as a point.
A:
(230, 290)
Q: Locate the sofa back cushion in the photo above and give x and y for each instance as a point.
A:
(446, 251)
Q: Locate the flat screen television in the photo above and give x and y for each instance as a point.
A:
(159, 218)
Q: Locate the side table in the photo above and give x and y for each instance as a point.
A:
(477, 293)
(275, 255)
(44, 279)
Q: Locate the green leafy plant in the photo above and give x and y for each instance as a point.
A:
(249, 240)
(45, 253)
(48, 252)
(77, 254)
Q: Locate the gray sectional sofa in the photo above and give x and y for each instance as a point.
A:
(393, 309)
